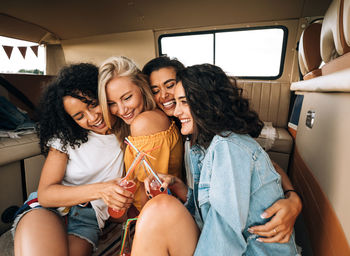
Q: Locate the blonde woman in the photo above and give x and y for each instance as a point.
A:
(124, 92)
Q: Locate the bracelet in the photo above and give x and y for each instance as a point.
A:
(296, 192)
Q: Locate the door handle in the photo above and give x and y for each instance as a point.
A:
(310, 118)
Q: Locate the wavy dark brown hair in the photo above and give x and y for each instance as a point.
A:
(216, 104)
(161, 62)
(78, 81)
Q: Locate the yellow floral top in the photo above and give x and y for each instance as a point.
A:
(167, 156)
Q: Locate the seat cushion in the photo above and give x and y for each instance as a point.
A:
(12, 150)
(281, 143)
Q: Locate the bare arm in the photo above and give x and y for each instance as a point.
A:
(51, 193)
(286, 184)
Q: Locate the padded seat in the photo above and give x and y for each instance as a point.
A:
(283, 142)
(12, 150)
(309, 56)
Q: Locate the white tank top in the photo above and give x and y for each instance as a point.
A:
(97, 160)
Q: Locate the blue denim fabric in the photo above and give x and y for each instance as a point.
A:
(80, 221)
(234, 182)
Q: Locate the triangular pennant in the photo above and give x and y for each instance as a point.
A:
(35, 49)
(8, 50)
(23, 50)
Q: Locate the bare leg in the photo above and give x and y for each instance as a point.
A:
(165, 227)
(41, 232)
(79, 246)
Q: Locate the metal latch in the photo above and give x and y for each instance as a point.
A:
(310, 118)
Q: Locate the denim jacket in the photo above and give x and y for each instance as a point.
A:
(234, 182)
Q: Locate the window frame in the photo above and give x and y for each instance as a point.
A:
(283, 53)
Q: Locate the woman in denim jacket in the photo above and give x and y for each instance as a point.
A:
(234, 180)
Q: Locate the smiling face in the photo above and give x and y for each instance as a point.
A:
(183, 111)
(124, 99)
(87, 116)
(163, 85)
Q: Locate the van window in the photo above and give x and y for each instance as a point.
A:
(246, 53)
(18, 56)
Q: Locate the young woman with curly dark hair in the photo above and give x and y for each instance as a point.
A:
(78, 178)
(234, 177)
(162, 78)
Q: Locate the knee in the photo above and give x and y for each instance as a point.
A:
(37, 218)
(162, 208)
(162, 205)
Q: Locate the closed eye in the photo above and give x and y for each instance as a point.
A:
(155, 92)
(93, 105)
(78, 117)
(170, 85)
(127, 98)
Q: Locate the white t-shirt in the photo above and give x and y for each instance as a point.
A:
(97, 160)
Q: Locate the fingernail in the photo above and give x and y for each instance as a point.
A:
(250, 230)
(150, 197)
(259, 240)
(147, 192)
(161, 189)
(263, 215)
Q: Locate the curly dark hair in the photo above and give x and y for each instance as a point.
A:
(79, 81)
(161, 62)
(216, 104)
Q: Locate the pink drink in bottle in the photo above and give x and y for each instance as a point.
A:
(129, 185)
(154, 187)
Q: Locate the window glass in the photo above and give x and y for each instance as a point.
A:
(250, 52)
(26, 62)
(189, 49)
(253, 52)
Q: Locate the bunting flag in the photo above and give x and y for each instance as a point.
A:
(23, 50)
(8, 50)
(35, 49)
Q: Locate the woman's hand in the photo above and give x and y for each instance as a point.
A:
(116, 196)
(176, 186)
(280, 227)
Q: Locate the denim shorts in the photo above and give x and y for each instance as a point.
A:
(80, 221)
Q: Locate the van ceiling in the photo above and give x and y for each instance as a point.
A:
(68, 19)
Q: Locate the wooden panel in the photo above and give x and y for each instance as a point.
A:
(326, 233)
(10, 190)
(269, 99)
(33, 166)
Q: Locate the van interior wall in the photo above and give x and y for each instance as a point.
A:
(55, 59)
(138, 46)
(320, 171)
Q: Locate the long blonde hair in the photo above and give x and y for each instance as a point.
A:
(122, 67)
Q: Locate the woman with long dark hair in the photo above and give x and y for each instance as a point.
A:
(234, 179)
(162, 79)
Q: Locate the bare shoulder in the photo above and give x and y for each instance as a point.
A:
(149, 122)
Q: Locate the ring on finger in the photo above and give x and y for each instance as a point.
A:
(274, 230)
